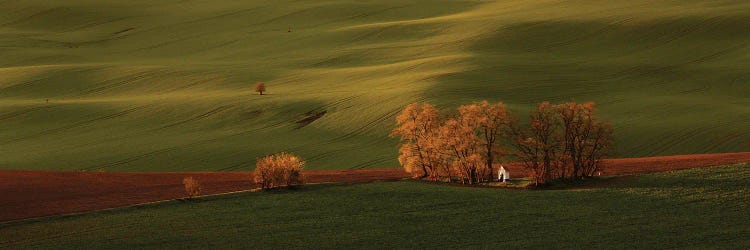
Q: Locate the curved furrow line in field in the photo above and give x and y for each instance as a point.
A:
(640, 72)
(197, 83)
(76, 125)
(130, 159)
(373, 162)
(196, 118)
(360, 15)
(702, 88)
(187, 145)
(94, 23)
(672, 36)
(124, 136)
(120, 81)
(581, 87)
(742, 138)
(366, 35)
(336, 103)
(322, 155)
(236, 166)
(17, 113)
(48, 77)
(253, 25)
(741, 79)
(367, 126)
(31, 241)
(210, 18)
(32, 16)
(99, 23)
(609, 28)
(674, 138)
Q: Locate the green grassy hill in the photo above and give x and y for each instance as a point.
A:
(700, 208)
(167, 86)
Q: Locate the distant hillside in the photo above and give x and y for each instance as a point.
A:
(168, 85)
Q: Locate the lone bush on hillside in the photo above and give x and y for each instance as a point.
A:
(192, 187)
(279, 170)
(260, 87)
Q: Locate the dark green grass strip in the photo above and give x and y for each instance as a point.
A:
(701, 208)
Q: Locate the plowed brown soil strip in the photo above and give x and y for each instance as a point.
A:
(29, 194)
(656, 164)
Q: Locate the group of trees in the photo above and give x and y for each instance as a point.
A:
(458, 148)
(561, 141)
(564, 141)
(273, 171)
(279, 170)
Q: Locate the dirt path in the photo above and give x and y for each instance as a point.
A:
(29, 194)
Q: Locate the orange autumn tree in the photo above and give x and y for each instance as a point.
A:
(192, 187)
(260, 87)
(417, 128)
(491, 123)
(563, 141)
(462, 149)
(279, 170)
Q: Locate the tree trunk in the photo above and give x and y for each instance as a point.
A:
(489, 162)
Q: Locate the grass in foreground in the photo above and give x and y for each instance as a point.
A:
(702, 208)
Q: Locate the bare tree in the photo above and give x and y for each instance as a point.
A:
(539, 146)
(586, 140)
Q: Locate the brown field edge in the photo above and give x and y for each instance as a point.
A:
(30, 194)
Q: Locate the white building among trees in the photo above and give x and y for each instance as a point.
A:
(503, 175)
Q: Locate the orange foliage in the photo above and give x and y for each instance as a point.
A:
(279, 170)
(260, 87)
(463, 150)
(192, 187)
(417, 127)
(491, 122)
(562, 141)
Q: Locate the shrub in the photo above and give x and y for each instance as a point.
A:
(260, 88)
(192, 187)
(279, 170)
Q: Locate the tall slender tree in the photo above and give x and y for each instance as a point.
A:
(538, 147)
(417, 127)
(491, 122)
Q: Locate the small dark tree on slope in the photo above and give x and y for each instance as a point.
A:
(260, 87)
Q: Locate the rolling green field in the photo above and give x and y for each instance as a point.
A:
(167, 85)
(699, 208)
